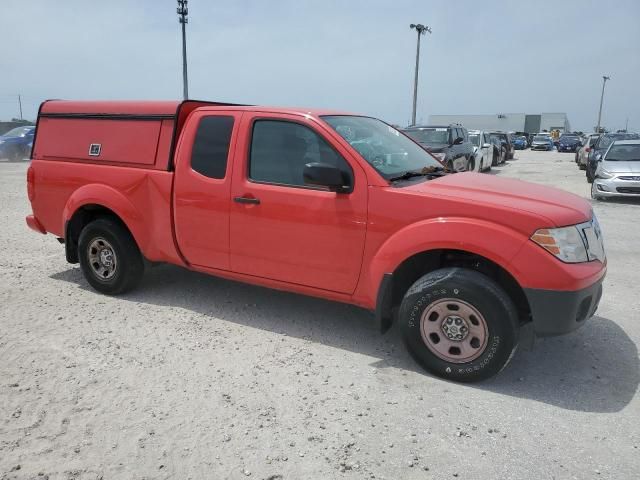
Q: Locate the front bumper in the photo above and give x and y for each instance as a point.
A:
(557, 312)
(540, 147)
(618, 186)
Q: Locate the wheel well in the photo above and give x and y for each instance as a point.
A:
(422, 263)
(81, 218)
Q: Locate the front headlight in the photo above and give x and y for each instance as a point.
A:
(565, 243)
(604, 173)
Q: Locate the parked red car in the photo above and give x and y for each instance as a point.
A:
(334, 205)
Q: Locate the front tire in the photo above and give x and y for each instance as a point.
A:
(459, 324)
(109, 257)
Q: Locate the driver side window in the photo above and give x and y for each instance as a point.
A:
(281, 149)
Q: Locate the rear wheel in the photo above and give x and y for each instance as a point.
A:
(503, 156)
(109, 257)
(471, 164)
(459, 324)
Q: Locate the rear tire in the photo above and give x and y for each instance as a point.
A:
(109, 257)
(459, 324)
(503, 156)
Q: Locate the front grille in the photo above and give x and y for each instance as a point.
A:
(633, 179)
(634, 190)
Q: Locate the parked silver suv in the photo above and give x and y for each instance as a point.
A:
(618, 171)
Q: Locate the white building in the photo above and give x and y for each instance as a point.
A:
(507, 122)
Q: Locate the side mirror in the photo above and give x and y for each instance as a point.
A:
(325, 175)
(486, 145)
(458, 141)
(599, 157)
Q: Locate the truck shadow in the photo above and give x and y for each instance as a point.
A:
(595, 369)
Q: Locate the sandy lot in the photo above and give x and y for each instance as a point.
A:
(196, 377)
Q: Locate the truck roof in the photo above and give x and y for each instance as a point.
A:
(157, 108)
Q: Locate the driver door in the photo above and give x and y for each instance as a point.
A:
(282, 229)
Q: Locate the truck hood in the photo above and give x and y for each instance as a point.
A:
(505, 196)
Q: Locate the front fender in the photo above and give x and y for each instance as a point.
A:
(495, 242)
(108, 197)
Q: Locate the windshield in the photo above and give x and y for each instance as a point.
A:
(540, 138)
(382, 146)
(609, 139)
(430, 136)
(623, 153)
(18, 132)
(475, 139)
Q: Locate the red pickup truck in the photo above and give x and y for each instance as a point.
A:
(333, 205)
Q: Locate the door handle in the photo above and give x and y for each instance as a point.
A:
(255, 201)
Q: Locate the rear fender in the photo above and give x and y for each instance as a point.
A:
(494, 242)
(108, 197)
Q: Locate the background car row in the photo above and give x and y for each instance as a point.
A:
(460, 149)
(612, 164)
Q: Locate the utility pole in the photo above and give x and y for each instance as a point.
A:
(604, 82)
(422, 30)
(183, 11)
(20, 106)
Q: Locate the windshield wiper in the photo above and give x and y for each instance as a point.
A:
(425, 172)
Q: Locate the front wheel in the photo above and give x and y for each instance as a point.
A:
(109, 257)
(459, 324)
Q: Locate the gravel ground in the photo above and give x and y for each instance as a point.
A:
(196, 377)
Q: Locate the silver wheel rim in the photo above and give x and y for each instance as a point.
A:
(102, 258)
(454, 330)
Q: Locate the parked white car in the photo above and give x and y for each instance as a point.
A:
(618, 171)
(482, 150)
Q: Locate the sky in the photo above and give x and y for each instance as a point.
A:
(484, 57)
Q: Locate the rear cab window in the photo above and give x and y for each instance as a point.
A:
(210, 152)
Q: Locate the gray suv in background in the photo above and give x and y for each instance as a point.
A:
(449, 144)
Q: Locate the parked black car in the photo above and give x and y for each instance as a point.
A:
(505, 139)
(499, 152)
(569, 143)
(601, 146)
(449, 144)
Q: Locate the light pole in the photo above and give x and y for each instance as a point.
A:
(182, 14)
(604, 82)
(422, 30)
